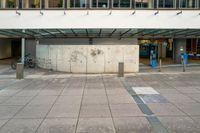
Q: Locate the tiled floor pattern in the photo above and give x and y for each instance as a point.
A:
(53, 102)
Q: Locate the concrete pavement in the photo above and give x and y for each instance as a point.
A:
(54, 102)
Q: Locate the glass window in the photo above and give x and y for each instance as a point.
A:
(144, 3)
(55, 3)
(122, 3)
(166, 3)
(8, 3)
(100, 3)
(76, 3)
(188, 3)
(31, 3)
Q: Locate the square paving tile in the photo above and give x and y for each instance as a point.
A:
(190, 108)
(63, 110)
(120, 99)
(179, 124)
(43, 100)
(165, 109)
(94, 92)
(117, 91)
(16, 101)
(58, 125)
(195, 97)
(3, 98)
(21, 126)
(197, 120)
(29, 93)
(8, 111)
(69, 100)
(144, 90)
(178, 98)
(95, 125)
(95, 111)
(72, 92)
(50, 92)
(167, 91)
(132, 125)
(95, 100)
(189, 90)
(2, 122)
(34, 111)
(121, 110)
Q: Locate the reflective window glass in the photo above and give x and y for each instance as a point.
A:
(144, 3)
(188, 3)
(166, 3)
(8, 3)
(122, 3)
(55, 3)
(76, 3)
(31, 3)
(100, 3)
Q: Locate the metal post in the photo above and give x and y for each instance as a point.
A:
(183, 63)
(121, 69)
(20, 66)
(160, 65)
(183, 66)
(23, 49)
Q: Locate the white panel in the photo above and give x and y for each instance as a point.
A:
(99, 19)
(114, 55)
(131, 58)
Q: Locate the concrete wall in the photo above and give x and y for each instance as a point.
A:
(84, 58)
(5, 48)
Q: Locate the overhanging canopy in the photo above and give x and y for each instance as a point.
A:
(100, 33)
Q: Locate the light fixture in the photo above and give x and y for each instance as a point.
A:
(41, 12)
(87, 13)
(180, 12)
(110, 12)
(18, 13)
(133, 12)
(156, 13)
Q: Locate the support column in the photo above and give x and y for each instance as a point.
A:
(179, 44)
(3, 3)
(23, 49)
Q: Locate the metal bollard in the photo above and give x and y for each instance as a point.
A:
(183, 62)
(160, 65)
(20, 71)
(121, 69)
(183, 66)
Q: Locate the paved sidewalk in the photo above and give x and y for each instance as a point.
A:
(54, 102)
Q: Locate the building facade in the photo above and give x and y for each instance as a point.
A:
(93, 36)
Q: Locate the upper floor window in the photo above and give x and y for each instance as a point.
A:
(100, 3)
(122, 3)
(31, 3)
(166, 3)
(8, 4)
(188, 3)
(76, 3)
(54, 3)
(144, 3)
